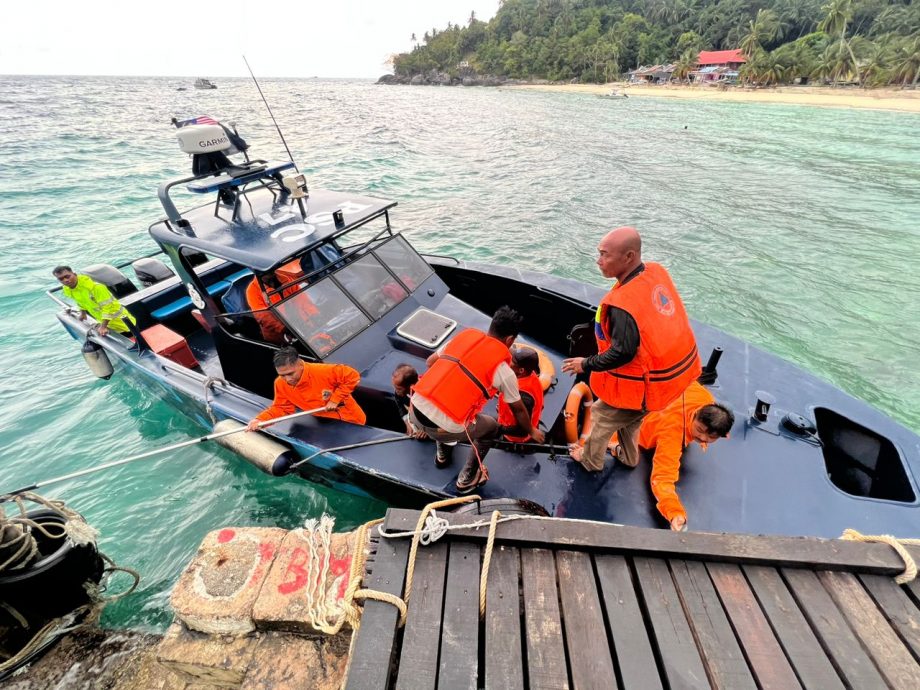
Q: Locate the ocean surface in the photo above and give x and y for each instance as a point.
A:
(793, 227)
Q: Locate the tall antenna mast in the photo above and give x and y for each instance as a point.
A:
(267, 107)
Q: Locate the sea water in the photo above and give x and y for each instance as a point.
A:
(795, 228)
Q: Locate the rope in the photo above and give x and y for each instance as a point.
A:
(208, 385)
(486, 560)
(910, 566)
(79, 532)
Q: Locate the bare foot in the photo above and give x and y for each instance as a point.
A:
(576, 451)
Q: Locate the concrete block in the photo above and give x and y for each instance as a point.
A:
(216, 592)
(289, 662)
(198, 658)
(282, 603)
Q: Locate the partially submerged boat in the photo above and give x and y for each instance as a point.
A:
(202, 83)
(803, 458)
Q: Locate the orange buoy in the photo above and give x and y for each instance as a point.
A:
(580, 396)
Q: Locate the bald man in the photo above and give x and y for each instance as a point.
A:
(646, 349)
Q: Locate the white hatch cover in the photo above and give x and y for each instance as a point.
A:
(426, 328)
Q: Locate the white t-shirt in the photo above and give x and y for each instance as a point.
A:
(503, 380)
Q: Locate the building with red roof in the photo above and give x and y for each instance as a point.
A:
(718, 65)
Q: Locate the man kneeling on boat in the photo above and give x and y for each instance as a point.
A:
(96, 300)
(306, 386)
(462, 377)
(525, 363)
(694, 416)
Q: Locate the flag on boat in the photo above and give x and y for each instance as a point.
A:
(200, 120)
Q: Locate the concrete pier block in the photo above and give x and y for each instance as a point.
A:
(216, 592)
(291, 662)
(282, 604)
(220, 660)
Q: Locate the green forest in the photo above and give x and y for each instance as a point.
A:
(865, 42)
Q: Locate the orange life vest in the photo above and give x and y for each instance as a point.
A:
(271, 326)
(534, 388)
(666, 361)
(460, 381)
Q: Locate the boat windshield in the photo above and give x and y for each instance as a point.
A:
(331, 311)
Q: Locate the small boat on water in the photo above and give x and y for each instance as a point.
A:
(613, 94)
(803, 458)
(202, 83)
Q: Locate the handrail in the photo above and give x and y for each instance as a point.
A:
(440, 256)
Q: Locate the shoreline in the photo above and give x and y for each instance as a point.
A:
(897, 100)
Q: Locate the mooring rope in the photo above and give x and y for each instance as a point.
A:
(208, 385)
(80, 533)
(910, 566)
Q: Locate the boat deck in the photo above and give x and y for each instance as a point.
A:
(581, 604)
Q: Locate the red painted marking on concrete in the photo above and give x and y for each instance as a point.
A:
(225, 535)
(340, 566)
(266, 554)
(299, 558)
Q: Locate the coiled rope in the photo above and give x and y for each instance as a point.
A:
(910, 566)
(18, 533)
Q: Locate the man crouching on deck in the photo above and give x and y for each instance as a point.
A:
(303, 386)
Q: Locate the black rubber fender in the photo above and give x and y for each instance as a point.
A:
(506, 506)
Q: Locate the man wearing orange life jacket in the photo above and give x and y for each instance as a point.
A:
(270, 325)
(694, 416)
(525, 363)
(462, 376)
(646, 349)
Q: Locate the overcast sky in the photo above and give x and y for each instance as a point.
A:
(305, 38)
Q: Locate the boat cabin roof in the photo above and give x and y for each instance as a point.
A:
(262, 229)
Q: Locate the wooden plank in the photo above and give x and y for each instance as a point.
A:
(893, 659)
(680, 658)
(722, 656)
(899, 609)
(546, 667)
(459, 664)
(764, 654)
(841, 645)
(631, 644)
(799, 552)
(418, 655)
(812, 665)
(375, 642)
(503, 653)
(585, 632)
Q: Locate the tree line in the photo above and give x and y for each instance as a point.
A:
(869, 42)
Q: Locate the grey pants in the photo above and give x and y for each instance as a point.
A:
(605, 421)
(481, 430)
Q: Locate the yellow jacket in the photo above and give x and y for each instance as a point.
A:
(95, 299)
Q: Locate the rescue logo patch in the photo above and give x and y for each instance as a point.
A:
(662, 300)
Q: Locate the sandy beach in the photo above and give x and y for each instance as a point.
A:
(903, 100)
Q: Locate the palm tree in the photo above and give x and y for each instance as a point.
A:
(685, 64)
(772, 71)
(762, 29)
(907, 61)
(835, 22)
(472, 16)
(414, 39)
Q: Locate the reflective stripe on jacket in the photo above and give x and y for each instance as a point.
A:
(666, 361)
(532, 386)
(97, 301)
(668, 431)
(460, 381)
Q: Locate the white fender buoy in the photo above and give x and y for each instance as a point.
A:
(96, 359)
(258, 449)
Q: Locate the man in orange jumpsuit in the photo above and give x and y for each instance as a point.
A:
(694, 416)
(306, 386)
(271, 326)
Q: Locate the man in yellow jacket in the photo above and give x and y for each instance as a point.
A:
(96, 300)
(694, 416)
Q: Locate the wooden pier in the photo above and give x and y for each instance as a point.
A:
(574, 604)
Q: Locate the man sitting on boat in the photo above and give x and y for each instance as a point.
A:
(525, 363)
(647, 352)
(272, 328)
(306, 386)
(462, 377)
(96, 300)
(694, 416)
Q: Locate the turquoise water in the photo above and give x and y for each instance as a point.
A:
(795, 228)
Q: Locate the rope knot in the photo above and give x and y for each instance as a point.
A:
(435, 528)
(910, 566)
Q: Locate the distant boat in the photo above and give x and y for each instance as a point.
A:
(180, 88)
(202, 83)
(613, 94)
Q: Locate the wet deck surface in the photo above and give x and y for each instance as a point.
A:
(575, 605)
